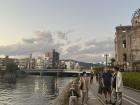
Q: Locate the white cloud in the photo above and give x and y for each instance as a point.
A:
(90, 51)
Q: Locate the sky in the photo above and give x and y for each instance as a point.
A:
(79, 29)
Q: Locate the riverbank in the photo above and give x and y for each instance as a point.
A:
(63, 98)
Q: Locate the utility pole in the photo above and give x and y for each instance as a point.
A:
(106, 55)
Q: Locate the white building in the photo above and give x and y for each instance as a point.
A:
(39, 63)
(23, 63)
(77, 66)
(71, 64)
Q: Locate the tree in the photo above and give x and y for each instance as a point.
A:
(11, 67)
(112, 60)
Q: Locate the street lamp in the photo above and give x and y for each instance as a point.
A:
(106, 56)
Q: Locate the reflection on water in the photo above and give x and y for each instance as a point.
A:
(33, 90)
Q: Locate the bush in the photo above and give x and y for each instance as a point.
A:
(98, 69)
(132, 79)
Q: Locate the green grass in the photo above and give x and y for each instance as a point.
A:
(132, 79)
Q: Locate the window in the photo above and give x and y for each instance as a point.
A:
(124, 57)
(124, 43)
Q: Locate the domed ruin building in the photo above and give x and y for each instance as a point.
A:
(127, 44)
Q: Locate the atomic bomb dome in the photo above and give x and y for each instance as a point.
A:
(136, 18)
(127, 44)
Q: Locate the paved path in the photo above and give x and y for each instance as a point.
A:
(93, 98)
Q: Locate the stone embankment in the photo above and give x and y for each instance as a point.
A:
(63, 98)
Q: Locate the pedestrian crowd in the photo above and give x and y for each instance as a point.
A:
(110, 85)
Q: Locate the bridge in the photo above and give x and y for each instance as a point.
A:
(60, 72)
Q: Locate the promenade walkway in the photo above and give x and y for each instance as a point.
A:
(93, 99)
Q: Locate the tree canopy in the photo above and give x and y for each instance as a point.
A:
(11, 67)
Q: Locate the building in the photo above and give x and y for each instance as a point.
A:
(70, 64)
(26, 63)
(52, 59)
(23, 63)
(127, 44)
(2, 64)
(39, 63)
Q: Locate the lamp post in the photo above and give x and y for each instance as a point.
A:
(106, 55)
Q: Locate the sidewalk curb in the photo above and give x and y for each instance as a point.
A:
(131, 88)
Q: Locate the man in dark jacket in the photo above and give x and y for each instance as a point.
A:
(106, 82)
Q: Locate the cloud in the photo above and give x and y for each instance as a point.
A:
(91, 42)
(92, 51)
(73, 49)
(31, 40)
(105, 46)
(41, 42)
(62, 35)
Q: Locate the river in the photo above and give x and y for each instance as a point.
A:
(32, 90)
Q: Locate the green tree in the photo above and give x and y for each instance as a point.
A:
(11, 67)
(112, 61)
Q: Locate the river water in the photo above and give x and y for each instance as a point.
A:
(32, 90)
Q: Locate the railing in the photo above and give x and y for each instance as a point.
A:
(52, 71)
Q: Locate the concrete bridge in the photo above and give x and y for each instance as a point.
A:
(60, 72)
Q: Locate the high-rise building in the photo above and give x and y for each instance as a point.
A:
(127, 44)
(52, 59)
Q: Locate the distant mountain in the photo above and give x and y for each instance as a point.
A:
(85, 65)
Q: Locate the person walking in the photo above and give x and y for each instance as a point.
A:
(100, 88)
(117, 85)
(84, 86)
(97, 77)
(106, 82)
(91, 76)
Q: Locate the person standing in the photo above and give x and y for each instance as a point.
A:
(97, 77)
(106, 82)
(114, 94)
(118, 86)
(80, 84)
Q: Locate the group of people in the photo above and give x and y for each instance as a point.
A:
(111, 84)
